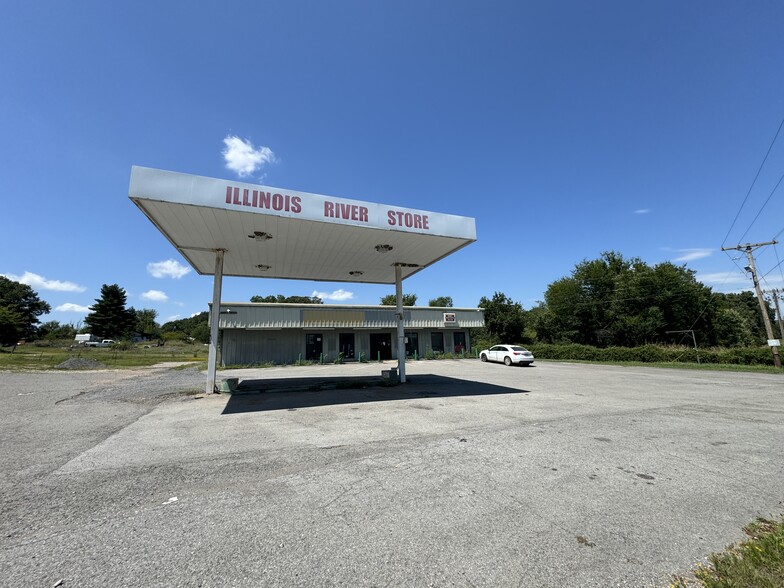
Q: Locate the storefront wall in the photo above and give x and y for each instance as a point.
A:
(286, 346)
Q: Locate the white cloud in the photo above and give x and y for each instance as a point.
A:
(642, 211)
(171, 318)
(154, 296)
(737, 281)
(693, 254)
(338, 295)
(71, 307)
(726, 279)
(243, 158)
(167, 269)
(40, 283)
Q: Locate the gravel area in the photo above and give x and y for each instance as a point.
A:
(80, 363)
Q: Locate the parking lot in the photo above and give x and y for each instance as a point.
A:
(472, 474)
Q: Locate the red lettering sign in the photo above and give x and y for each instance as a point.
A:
(395, 218)
(257, 199)
(346, 211)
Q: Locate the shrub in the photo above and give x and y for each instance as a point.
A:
(653, 353)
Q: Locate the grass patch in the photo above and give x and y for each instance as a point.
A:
(755, 563)
(32, 357)
(718, 367)
(246, 366)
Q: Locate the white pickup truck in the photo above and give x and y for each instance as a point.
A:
(104, 343)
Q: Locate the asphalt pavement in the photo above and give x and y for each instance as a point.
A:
(471, 474)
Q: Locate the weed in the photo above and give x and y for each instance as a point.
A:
(755, 563)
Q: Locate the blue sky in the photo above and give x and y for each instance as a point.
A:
(566, 128)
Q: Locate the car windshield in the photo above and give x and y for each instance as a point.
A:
(518, 348)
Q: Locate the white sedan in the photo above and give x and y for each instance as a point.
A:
(509, 354)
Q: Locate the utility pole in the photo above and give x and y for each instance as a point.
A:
(776, 294)
(749, 249)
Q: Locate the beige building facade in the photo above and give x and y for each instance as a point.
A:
(257, 333)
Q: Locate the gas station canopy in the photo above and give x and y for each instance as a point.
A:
(270, 232)
(237, 229)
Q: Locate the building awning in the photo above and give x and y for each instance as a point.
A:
(279, 233)
(254, 315)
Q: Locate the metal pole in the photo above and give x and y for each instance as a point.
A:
(763, 306)
(212, 360)
(693, 338)
(401, 337)
(778, 311)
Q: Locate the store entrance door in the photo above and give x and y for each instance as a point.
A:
(412, 344)
(314, 346)
(460, 341)
(380, 343)
(346, 345)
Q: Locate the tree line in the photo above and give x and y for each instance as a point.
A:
(109, 318)
(608, 301)
(613, 301)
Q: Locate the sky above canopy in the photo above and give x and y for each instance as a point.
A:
(565, 128)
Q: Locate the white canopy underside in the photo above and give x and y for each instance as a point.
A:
(301, 249)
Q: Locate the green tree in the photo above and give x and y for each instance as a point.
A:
(442, 301)
(737, 319)
(196, 327)
(54, 330)
(733, 328)
(391, 300)
(559, 319)
(108, 316)
(145, 323)
(12, 325)
(22, 309)
(504, 318)
(280, 298)
(617, 301)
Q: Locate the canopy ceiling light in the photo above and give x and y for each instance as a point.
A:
(384, 248)
(260, 236)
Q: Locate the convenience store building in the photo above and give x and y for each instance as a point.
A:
(256, 333)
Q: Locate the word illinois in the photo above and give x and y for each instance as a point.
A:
(261, 199)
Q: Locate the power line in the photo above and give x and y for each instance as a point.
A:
(763, 207)
(776, 251)
(752, 185)
(774, 267)
(735, 261)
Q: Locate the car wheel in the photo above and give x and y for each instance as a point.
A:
(484, 357)
(508, 360)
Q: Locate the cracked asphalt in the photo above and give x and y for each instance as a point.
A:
(471, 474)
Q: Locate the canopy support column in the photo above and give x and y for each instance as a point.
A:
(401, 337)
(212, 361)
